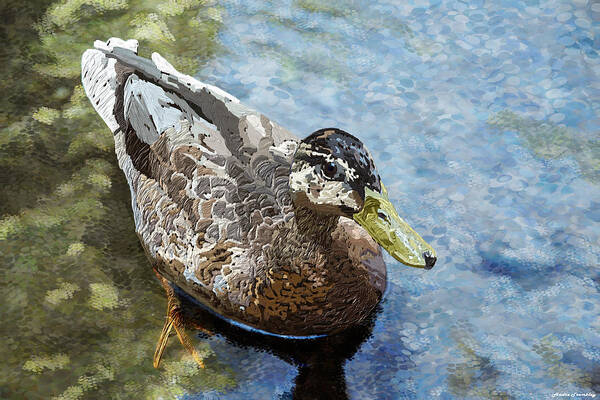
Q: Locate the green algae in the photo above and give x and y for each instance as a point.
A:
(104, 296)
(46, 115)
(38, 364)
(332, 63)
(81, 309)
(473, 375)
(551, 141)
(64, 292)
(548, 349)
(335, 9)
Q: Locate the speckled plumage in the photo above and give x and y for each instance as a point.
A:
(210, 188)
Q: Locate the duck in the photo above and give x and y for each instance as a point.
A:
(276, 234)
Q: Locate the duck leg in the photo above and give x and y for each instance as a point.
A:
(174, 320)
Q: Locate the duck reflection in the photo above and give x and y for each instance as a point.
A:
(320, 361)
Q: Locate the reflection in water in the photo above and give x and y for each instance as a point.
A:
(320, 361)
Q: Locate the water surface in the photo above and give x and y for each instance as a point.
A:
(483, 121)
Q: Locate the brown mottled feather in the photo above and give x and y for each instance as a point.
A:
(210, 195)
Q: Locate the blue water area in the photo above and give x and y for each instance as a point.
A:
(483, 119)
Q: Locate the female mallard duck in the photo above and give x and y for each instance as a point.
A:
(272, 232)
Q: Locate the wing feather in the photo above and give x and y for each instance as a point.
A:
(208, 175)
(243, 130)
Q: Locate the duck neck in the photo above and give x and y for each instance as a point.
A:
(313, 227)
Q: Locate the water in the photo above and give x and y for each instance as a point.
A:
(483, 121)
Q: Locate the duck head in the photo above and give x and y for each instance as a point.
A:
(333, 173)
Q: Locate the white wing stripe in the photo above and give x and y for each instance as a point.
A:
(99, 81)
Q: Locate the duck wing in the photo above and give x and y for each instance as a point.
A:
(207, 174)
(167, 95)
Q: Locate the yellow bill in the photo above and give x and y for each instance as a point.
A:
(379, 217)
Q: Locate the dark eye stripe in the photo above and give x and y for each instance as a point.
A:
(311, 159)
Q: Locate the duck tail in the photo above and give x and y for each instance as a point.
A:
(100, 80)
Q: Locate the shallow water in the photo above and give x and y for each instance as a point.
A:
(483, 121)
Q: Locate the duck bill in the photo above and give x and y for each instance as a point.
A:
(379, 217)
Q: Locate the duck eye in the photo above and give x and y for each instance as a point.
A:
(329, 169)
